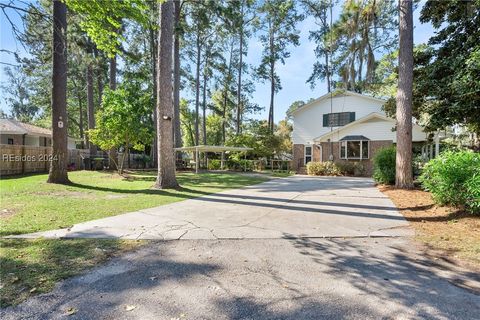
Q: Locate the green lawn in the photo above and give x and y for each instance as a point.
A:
(29, 204)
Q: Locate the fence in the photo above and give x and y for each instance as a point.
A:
(17, 159)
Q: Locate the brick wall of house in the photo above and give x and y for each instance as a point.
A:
(374, 146)
(298, 155)
(316, 153)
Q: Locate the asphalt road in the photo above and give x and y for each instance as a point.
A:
(361, 278)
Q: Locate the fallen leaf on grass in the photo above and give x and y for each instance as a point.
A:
(71, 311)
(33, 290)
(129, 307)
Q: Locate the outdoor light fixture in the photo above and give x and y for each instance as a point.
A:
(167, 118)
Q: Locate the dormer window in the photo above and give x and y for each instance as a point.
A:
(354, 147)
(338, 119)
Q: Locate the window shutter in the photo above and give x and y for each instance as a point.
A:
(325, 120)
(352, 116)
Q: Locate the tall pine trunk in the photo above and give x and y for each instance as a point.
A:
(58, 165)
(90, 107)
(166, 155)
(204, 102)
(197, 90)
(176, 79)
(113, 156)
(153, 56)
(403, 176)
(239, 83)
(272, 80)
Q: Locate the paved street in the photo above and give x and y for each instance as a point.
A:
(298, 206)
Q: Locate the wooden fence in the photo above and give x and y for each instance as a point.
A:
(16, 159)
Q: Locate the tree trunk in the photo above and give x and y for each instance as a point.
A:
(176, 79)
(197, 90)
(204, 102)
(166, 156)
(153, 56)
(239, 84)
(404, 177)
(58, 165)
(90, 108)
(272, 80)
(113, 85)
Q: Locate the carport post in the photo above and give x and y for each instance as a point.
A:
(245, 166)
(223, 159)
(196, 160)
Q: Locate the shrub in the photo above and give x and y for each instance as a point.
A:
(453, 178)
(327, 168)
(346, 168)
(214, 164)
(384, 165)
(239, 165)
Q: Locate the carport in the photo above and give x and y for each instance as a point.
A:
(217, 149)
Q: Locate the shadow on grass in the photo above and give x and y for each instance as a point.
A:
(29, 267)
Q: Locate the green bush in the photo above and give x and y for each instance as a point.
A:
(453, 178)
(327, 168)
(214, 164)
(346, 168)
(384, 165)
(239, 165)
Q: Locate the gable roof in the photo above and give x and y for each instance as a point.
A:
(10, 126)
(335, 94)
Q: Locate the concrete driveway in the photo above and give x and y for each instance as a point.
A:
(297, 206)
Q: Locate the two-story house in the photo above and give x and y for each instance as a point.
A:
(343, 126)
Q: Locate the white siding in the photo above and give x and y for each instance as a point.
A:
(308, 123)
(376, 129)
(32, 141)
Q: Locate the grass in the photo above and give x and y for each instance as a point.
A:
(29, 204)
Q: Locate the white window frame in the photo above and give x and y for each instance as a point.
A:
(305, 154)
(361, 149)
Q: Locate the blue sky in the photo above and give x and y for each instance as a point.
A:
(293, 74)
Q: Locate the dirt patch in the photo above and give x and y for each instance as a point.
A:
(443, 231)
(6, 213)
(70, 194)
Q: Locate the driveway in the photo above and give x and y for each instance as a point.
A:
(297, 206)
(368, 278)
(280, 270)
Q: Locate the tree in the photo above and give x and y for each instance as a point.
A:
(363, 29)
(17, 88)
(58, 165)
(404, 176)
(321, 10)
(176, 74)
(124, 121)
(449, 82)
(166, 156)
(280, 20)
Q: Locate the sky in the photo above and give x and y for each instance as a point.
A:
(293, 74)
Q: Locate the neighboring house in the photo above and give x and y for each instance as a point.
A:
(343, 126)
(14, 132)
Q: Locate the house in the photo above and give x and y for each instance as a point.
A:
(25, 148)
(343, 126)
(13, 132)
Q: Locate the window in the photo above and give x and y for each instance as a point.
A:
(10, 141)
(354, 149)
(308, 154)
(338, 119)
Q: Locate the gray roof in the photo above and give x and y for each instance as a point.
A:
(10, 126)
(354, 138)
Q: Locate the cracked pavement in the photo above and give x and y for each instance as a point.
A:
(255, 253)
(297, 206)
